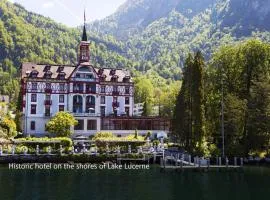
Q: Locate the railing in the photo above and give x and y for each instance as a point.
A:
(86, 114)
(77, 90)
(85, 79)
(91, 91)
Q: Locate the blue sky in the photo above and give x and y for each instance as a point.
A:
(70, 12)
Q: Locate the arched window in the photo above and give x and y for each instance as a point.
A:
(77, 104)
(90, 104)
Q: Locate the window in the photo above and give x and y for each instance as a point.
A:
(79, 126)
(127, 90)
(127, 100)
(61, 99)
(47, 111)
(33, 97)
(91, 125)
(89, 76)
(119, 136)
(34, 74)
(78, 87)
(103, 89)
(102, 99)
(102, 111)
(91, 88)
(62, 87)
(48, 74)
(34, 86)
(127, 111)
(61, 108)
(33, 109)
(33, 125)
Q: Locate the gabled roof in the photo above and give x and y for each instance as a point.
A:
(27, 68)
(68, 70)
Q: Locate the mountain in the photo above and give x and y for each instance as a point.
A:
(162, 32)
(29, 37)
(135, 15)
(146, 36)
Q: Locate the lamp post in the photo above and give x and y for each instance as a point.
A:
(222, 113)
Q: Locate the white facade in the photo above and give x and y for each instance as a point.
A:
(87, 99)
(101, 99)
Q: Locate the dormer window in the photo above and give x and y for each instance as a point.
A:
(114, 78)
(48, 74)
(100, 72)
(126, 79)
(61, 75)
(112, 72)
(34, 74)
(102, 78)
(60, 69)
(47, 68)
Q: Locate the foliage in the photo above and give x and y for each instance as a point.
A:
(244, 70)
(61, 123)
(8, 127)
(189, 121)
(44, 143)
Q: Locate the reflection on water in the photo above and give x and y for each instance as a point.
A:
(252, 184)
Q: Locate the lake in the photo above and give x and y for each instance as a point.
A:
(253, 183)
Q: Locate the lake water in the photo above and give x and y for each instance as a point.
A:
(252, 184)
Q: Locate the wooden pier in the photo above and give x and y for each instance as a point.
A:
(181, 166)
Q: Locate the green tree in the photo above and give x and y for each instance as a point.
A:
(60, 124)
(8, 126)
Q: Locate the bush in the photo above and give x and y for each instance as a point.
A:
(65, 142)
(104, 138)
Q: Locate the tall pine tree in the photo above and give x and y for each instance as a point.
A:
(189, 118)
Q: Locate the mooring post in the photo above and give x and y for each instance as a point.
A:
(227, 162)
(219, 161)
(155, 157)
(189, 159)
(163, 154)
(235, 161)
(241, 161)
(216, 160)
(208, 163)
(182, 160)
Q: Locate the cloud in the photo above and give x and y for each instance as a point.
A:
(48, 4)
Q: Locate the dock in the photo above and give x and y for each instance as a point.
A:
(175, 164)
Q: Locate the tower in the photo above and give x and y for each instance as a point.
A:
(84, 52)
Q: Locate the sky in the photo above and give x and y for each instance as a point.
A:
(70, 12)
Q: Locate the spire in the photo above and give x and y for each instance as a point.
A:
(84, 36)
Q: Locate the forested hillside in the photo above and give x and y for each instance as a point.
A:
(161, 33)
(29, 37)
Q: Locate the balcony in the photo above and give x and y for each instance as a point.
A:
(77, 90)
(115, 104)
(48, 90)
(91, 91)
(86, 114)
(48, 102)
